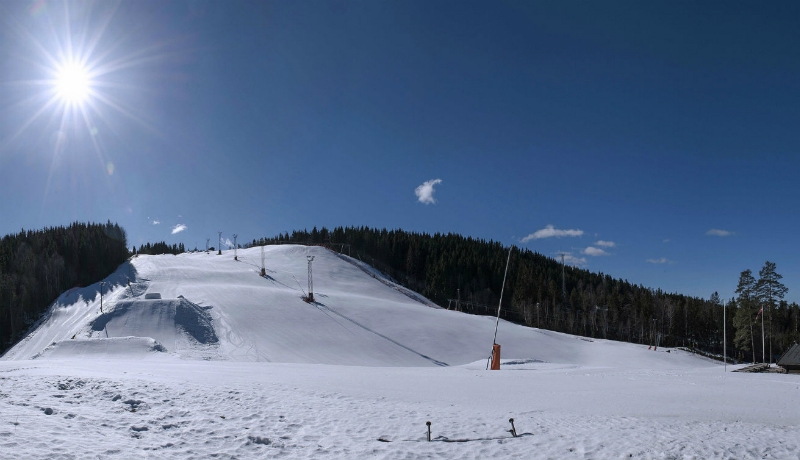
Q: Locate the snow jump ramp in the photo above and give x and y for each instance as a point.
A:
(173, 323)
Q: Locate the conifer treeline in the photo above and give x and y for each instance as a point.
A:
(37, 266)
(160, 248)
(596, 305)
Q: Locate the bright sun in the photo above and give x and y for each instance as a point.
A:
(73, 83)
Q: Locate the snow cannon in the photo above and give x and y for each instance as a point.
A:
(496, 357)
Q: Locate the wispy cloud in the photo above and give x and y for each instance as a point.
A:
(570, 259)
(605, 244)
(718, 232)
(594, 252)
(549, 232)
(425, 191)
(156, 222)
(178, 228)
(662, 260)
(665, 240)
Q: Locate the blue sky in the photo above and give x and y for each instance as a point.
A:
(663, 134)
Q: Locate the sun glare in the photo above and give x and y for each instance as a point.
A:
(73, 83)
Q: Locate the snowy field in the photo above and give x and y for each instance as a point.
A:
(229, 364)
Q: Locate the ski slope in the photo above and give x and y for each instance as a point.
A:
(230, 364)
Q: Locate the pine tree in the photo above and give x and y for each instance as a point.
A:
(743, 320)
(768, 290)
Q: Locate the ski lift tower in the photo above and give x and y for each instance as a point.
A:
(263, 268)
(235, 247)
(310, 281)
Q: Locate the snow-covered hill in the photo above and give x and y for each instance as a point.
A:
(359, 317)
(200, 356)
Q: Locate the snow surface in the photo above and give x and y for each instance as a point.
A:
(229, 364)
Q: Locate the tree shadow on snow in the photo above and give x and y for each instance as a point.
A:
(121, 277)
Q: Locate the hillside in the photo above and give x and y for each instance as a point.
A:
(230, 364)
(214, 307)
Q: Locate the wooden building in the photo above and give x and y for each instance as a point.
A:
(791, 359)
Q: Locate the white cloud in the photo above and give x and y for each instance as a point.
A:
(718, 232)
(594, 252)
(549, 231)
(178, 228)
(662, 260)
(425, 191)
(156, 222)
(666, 240)
(605, 244)
(569, 259)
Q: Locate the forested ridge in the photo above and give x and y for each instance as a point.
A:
(159, 248)
(37, 266)
(449, 267)
(454, 271)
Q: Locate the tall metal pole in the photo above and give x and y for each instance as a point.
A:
(500, 305)
(310, 282)
(724, 339)
(101, 295)
(219, 247)
(235, 247)
(263, 268)
(763, 342)
(563, 280)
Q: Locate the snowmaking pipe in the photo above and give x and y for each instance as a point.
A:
(499, 306)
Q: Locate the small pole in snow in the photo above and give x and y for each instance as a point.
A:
(429, 430)
(219, 247)
(512, 430)
(724, 340)
(235, 247)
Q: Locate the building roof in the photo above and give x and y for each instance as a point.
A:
(791, 358)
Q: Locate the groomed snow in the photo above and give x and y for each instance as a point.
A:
(283, 378)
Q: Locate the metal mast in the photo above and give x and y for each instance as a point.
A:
(219, 248)
(563, 279)
(235, 247)
(499, 306)
(263, 268)
(310, 280)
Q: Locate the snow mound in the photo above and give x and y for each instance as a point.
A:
(165, 320)
(127, 347)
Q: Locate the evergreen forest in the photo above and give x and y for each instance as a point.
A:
(37, 266)
(160, 248)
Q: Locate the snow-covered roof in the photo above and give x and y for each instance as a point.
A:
(791, 359)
